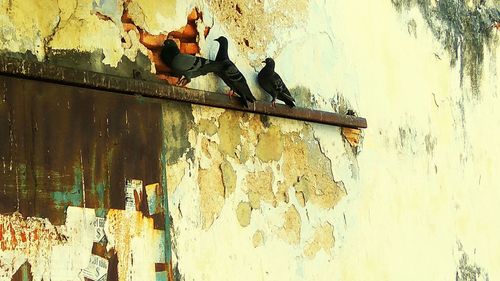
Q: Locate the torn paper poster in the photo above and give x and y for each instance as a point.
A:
(99, 235)
(133, 194)
(97, 269)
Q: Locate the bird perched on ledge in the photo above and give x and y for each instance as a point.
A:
(272, 83)
(184, 65)
(231, 75)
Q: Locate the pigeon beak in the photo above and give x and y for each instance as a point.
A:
(263, 61)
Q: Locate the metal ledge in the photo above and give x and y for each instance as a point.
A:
(88, 79)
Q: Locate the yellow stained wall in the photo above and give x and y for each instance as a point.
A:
(273, 199)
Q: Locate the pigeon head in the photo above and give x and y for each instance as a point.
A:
(222, 52)
(222, 40)
(269, 68)
(171, 46)
(269, 61)
(169, 51)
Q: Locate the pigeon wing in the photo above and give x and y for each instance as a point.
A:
(236, 81)
(266, 83)
(281, 90)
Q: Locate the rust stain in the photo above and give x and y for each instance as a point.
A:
(54, 131)
(14, 230)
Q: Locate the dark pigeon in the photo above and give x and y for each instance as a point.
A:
(184, 65)
(231, 75)
(271, 82)
(350, 112)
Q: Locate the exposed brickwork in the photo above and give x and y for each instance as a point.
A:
(186, 38)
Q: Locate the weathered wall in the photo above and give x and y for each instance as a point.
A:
(273, 199)
(67, 196)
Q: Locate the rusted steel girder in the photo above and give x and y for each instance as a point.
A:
(94, 80)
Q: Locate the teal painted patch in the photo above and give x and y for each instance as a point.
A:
(74, 197)
(161, 276)
(168, 243)
(100, 211)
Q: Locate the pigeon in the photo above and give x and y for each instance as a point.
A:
(271, 82)
(184, 65)
(350, 112)
(231, 75)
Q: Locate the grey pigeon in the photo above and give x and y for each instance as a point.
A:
(184, 65)
(271, 82)
(231, 75)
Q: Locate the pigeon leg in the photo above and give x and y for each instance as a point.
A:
(183, 81)
(273, 103)
(230, 93)
(180, 81)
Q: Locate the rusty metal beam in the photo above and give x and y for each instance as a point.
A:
(159, 89)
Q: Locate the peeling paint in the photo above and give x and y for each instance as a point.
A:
(260, 188)
(273, 188)
(323, 240)
(243, 213)
(270, 145)
(258, 239)
(290, 231)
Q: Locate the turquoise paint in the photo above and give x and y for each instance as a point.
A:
(152, 201)
(161, 276)
(74, 197)
(100, 211)
(168, 242)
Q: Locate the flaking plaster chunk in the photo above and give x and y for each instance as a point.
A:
(155, 16)
(270, 146)
(323, 239)
(302, 190)
(228, 177)
(258, 239)
(132, 45)
(211, 194)
(243, 213)
(28, 239)
(229, 132)
(260, 188)
(86, 32)
(353, 136)
(28, 25)
(290, 232)
(282, 193)
(304, 161)
(207, 126)
(210, 182)
(110, 8)
(175, 173)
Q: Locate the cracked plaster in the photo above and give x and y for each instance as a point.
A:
(382, 82)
